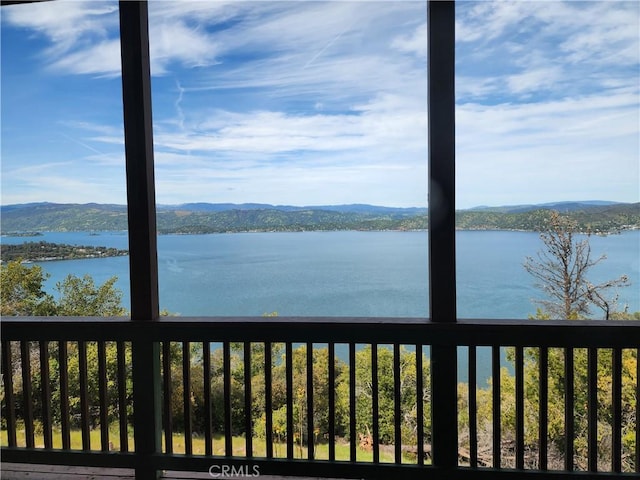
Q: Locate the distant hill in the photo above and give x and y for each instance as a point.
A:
(211, 218)
(598, 218)
(352, 208)
(594, 216)
(562, 207)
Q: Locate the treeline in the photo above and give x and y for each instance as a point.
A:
(94, 217)
(22, 294)
(46, 251)
(276, 221)
(594, 219)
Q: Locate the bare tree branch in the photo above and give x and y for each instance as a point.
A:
(561, 268)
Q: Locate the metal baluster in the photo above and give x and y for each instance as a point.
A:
(46, 394)
(248, 435)
(497, 434)
(543, 417)
(397, 409)
(568, 408)
(103, 396)
(208, 415)
(7, 375)
(186, 397)
(473, 408)
(122, 396)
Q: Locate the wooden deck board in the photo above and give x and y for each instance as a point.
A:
(22, 471)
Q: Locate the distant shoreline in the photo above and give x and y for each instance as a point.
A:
(233, 232)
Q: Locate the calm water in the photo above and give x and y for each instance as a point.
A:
(343, 274)
(340, 273)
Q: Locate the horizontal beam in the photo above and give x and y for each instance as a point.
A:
(320, 468)
(19, 2)
(526, 333)
(68, 457)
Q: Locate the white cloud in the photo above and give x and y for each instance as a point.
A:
(176, 42)
(65, 22)
(84, 36)
(553, 48)
(416, 42)
(71, 181)
(75, 29)
(571, 149)
(102, 59)
(388, 122)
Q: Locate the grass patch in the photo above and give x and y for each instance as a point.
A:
(218, 446)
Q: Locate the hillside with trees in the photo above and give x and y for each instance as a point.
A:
(229, 218)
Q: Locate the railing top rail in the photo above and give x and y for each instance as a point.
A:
(550, 333)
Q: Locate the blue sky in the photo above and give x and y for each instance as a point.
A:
(311, 103)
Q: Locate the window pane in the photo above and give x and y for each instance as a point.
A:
(316, 107)
(547, 118)
(63, 174)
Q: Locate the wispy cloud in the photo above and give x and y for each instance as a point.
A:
(75, 30)
(65, 182)
(554, 148)
(555, 48)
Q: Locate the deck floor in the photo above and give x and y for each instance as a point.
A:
(22, 471)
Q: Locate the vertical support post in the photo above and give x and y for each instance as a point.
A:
(143, 264)
(442, 270)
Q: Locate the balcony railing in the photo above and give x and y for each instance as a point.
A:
(262, 393)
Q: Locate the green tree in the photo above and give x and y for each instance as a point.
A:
(386, 394)
(23, 294)
(81, 297)
(21, 290)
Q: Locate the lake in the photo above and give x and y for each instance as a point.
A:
(342, 273)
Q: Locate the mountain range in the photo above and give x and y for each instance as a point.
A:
(191, 218)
